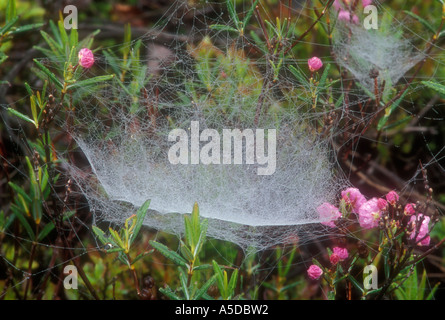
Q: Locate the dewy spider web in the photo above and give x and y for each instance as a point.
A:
(128, 152)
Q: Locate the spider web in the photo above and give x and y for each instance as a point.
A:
(127, 150)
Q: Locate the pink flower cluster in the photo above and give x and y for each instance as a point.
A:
(369, 215)
(343, 7)
(338, 254)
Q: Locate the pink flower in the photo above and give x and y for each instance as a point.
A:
(382, 204)
(346, 16)
(314, 64)
(314, 272)
(334, 258)
(354, 198)
(340, 4)
(328, 214)
(342, 253)
(422, 238)
(392, 197)
(86, 58)
(369, 214)
(410, 209)
(366, 3)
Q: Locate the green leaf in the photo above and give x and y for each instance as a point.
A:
(8, 26)
(355, 283)
(50, 226)
(219, 276)
(204, 288)
(90, 81)
(300, 77)
(11, 11)
(27, 28)
(201, 291)
(421, 20)
(390, 110)
(20, 190)
(169, 293)
(233, 281)
(117, 238)
(23, 221)
(397, 123)
(232, 12)
(323, 78)
(21, 115)
(74, 38)
(249, 13)
(435, 86)
(186, 252)
(176, 258)
(51, 75)
(222, 27)
(63, 34)
(202, 267)
(100, 234)
(183, 279)
(140, 217)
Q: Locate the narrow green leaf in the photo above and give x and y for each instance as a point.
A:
(169, 293)
(202, 267)
(431, 294)
(8, 25)
(23, 221)
(355, 283)
(324, 76)
(11, 10)
(56, 33)
(219, 276)
(20, 190)
(249, 13)
(222, 27)
(140, 217)
(100, 234)
(390, 110)
(117, 238)
(183, 279)
(186, 252)
(435, 86)
(21, 115)
(397, 123)
(176, 258)
(421, 20)
(74, 38)
(300, 77)
(51, 75)
(45, 231)
(232, 12)
(27, 28)
(90, 81)
(233, 281)
(204, 288)
(63, 35)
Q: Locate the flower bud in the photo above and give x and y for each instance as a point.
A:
(314, 64)
(314, 272)
(86, 58)
(392, 197)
